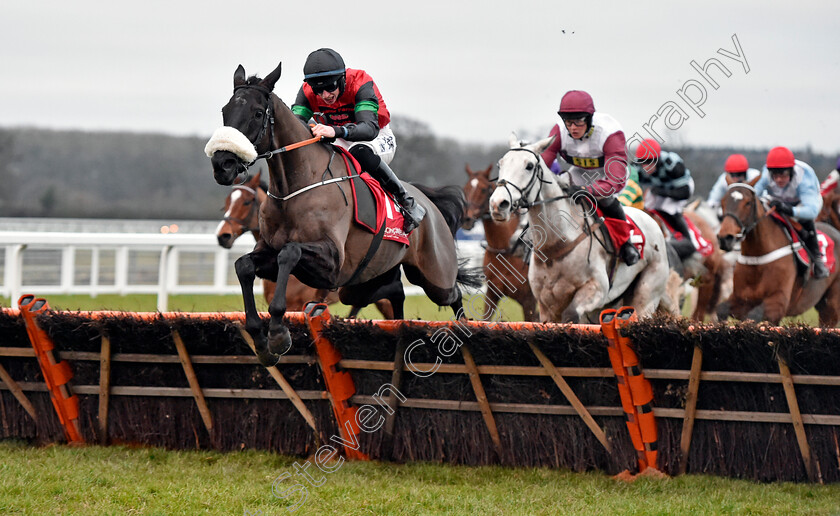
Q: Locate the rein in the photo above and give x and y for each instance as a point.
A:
(314, 185)
(268, 124)
(536, 178)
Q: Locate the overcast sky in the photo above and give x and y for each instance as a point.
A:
(470, 70)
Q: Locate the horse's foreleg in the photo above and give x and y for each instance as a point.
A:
(774, 307)
(828, 307)
(246, 273)
(279, 339)
(529, 306)
(587, 298)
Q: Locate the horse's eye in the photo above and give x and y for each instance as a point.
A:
(529, 166)
(258, 115)
(248, 203)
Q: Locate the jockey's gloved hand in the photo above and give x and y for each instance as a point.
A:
(659, 190)
(782, 207)
(573, 189)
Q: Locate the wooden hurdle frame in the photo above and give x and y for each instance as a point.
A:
(341, 393)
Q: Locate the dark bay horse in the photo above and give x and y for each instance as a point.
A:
(504, 267)
(767, 283)
(306, 226)
(242, 215)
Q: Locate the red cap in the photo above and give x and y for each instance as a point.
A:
(736, 163)
(648, 149)
(780, 157)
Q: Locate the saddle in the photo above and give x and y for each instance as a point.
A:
(800, 251)
(618, 232)
(373, 207)
(703, 246)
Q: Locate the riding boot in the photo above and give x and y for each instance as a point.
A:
(413, 213)
(611, 208)
(683, 247)
(809, 238)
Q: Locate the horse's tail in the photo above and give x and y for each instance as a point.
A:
(449, 200)
(472, 277)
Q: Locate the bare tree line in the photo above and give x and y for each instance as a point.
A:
(60, 173)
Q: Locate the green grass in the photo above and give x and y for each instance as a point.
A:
(117, 480)
(416, 307)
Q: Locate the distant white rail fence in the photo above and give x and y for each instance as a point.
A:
(44, 263)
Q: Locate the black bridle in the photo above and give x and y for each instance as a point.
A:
(536, 180)
(268, 126)
(743, 227)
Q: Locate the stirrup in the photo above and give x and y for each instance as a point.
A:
(412, 217)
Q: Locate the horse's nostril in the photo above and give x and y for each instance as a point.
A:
(504, 205)
(229, 164)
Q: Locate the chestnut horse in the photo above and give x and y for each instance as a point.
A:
(830, 212)
(306, 225)
(767, 282)
(505, 270)
(712, 277)
(242, 214)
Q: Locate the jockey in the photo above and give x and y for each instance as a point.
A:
(593, 144)
(737, 168)
(795, 190)
(633, 194)
(347, 105)
(671, 186)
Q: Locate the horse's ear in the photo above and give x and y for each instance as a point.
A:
(468, 169)
(255, 179)
(513, 141)
(755, 180)
(543, 144)
(486, 171)
(239, 76)
(271, 78)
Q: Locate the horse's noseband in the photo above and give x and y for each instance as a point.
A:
(536, 179)
(742, 226)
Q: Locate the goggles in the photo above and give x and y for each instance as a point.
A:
(579, 122)
(325, 86)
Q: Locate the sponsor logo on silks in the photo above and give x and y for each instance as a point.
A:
(395, 232)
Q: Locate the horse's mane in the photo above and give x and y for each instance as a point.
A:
(449, 200)
(253, 80)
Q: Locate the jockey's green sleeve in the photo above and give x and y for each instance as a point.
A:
(633, 194)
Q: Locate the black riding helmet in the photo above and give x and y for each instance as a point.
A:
(324, 69)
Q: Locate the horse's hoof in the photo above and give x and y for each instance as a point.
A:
(267, 358)
(280, 341)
